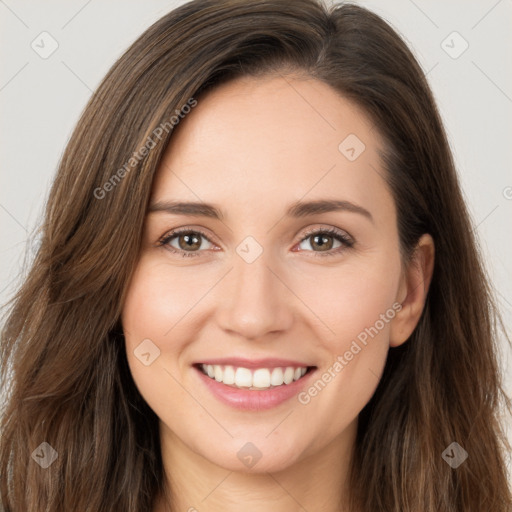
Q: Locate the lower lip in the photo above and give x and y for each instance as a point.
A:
(254, 400)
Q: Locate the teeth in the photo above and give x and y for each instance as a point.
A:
(262, 378)
(229, 375)
(288, 375)
(276, 378)
(243, 377)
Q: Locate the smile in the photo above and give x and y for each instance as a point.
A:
(256, 388)
(256, 379)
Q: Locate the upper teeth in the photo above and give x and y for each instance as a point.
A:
(260, 378)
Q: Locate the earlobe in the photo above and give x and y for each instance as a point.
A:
(413, 291)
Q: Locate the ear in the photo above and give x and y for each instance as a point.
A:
(412, 292)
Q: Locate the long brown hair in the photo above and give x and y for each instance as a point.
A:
(65, 376)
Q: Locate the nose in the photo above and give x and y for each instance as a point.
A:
(255, 301)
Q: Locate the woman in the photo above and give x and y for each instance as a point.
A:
(257, 285)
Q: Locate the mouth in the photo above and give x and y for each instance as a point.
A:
(254, 379)
(254, 384)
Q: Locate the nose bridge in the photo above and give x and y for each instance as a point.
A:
(254, 301)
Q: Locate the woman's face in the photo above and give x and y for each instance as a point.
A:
(263, 286)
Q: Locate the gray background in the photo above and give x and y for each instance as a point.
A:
(41, 99)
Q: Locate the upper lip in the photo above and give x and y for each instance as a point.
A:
(268, 362)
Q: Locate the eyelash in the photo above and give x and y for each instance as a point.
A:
(344, 239)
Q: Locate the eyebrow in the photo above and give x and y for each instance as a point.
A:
(298, 209)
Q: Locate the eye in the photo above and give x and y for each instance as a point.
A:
(189, 242)
(325, 239)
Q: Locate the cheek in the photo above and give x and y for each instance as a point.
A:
(364, 302)
(155, 308)
(154, 304)
(156, 300)
(356, 304)
(351, 297)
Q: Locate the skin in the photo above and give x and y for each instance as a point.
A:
(252, 147)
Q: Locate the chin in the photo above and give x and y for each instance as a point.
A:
(261, 455)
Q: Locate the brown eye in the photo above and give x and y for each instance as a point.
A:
(323, 242)
(189, 242)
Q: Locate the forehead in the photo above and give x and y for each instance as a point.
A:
(266, 142)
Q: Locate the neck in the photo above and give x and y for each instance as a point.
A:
(317, 482)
